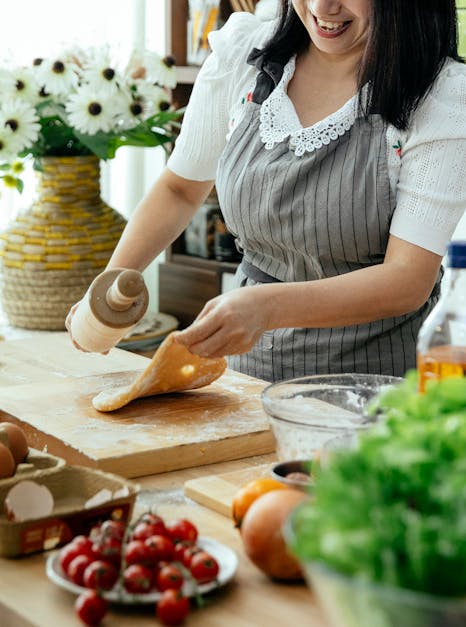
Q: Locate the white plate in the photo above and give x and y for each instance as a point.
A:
(226, 558)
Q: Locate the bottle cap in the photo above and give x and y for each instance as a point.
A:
(456, 254)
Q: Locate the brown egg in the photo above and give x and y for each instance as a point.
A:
(15, 440)
(7, 463)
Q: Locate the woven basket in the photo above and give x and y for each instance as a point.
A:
(51, 253)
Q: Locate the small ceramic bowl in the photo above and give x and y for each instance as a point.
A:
(295, 474)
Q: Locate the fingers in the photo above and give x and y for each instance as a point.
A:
(196, 335)
(229, 324)
(70, 315)
(204, 339)
(68, 320)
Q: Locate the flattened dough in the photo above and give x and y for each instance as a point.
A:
(172, 369)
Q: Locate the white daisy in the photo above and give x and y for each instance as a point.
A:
(101, 73)
(19, 82)
(22, 120)
(58, 76)
(165, 73)
(41, 93)
(136, 68)
(153, 97)
(91, 112)
(7, 145)
(131, 111)
(151, 67)
(77, 55)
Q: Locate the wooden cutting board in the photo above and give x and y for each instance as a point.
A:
(220, 422)
(217, 491)
(49, 356)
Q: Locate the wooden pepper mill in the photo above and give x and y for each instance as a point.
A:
(115, 301)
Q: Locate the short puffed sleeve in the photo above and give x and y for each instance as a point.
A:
(206, 120)
(431, 191)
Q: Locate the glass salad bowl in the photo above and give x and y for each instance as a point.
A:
(306, 412)
(350, 602)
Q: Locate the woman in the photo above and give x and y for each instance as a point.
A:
(337, 140)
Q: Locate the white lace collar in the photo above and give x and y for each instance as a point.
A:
(279, 120)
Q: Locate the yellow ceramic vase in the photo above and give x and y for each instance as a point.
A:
(51, 253)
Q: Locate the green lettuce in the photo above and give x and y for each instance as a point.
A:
(393, 510)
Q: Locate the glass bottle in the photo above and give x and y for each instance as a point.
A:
(441, 344)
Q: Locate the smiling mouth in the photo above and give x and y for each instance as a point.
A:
(331, 27)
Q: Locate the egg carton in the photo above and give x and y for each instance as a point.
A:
(82, 497)
(37, 464)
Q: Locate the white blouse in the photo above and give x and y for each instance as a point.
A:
(427, 163)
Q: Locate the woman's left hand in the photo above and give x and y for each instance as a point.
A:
(229, 324)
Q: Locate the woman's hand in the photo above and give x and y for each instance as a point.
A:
(229, 324)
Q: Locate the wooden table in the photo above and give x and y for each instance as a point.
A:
(28, 598)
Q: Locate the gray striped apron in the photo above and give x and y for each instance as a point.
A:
(305, 218)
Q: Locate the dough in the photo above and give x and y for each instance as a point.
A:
(172, 369)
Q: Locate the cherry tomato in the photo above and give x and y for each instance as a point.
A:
(144, 530)
(137, 578)
(76, 568)
(182, 530)
(169, 577)
(172, 607)
(100, 575)
(151, 519)
(159, 566)
(90, 607)
(204, 567)
(136, 552)
(84, 543)
(179, 549)
(113, 529)
(160, 548)
(107, 548)
(67, 555)
(188, 553)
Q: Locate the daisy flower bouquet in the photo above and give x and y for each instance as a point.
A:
(83, 103)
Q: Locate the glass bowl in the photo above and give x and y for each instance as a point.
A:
(348, 601)
(306, 412)
(294, 474)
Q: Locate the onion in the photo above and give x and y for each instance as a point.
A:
(261, 532)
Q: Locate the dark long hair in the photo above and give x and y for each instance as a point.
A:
(408, 43)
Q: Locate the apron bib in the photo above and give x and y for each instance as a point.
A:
(304, 218)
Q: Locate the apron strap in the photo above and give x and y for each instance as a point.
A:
(256, 274)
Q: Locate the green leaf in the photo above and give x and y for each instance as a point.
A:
(105, 145)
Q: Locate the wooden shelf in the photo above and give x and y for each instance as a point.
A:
(205, 264)
(186, 74)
